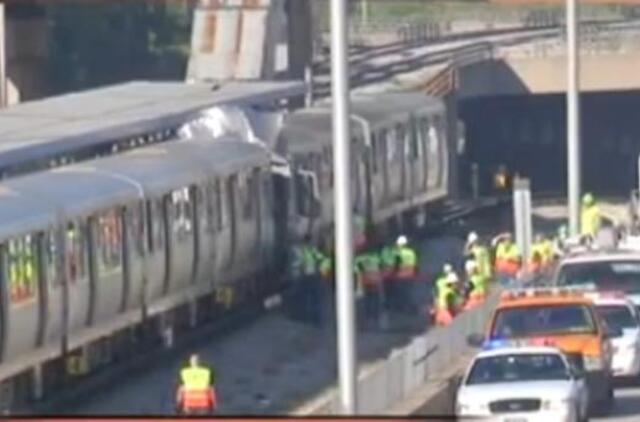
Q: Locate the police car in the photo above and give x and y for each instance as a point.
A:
(623, 319)
(522, 384)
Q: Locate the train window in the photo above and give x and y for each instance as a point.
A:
(76, 251)
(182, 204)
(137, 228)
(22, 266)
(109, 240)
(51, 258)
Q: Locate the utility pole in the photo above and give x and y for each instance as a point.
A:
(573, 117)
(343, 229)
(3, 59)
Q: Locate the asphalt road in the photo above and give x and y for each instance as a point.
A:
(627, 407)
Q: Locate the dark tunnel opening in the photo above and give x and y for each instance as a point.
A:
(528, 135)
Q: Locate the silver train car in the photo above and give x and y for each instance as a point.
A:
(399, 161)
(96, 255)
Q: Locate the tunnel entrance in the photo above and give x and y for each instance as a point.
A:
(528, 135)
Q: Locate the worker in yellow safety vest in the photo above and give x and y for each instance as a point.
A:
(196, 394)
(590, 218)
(480, 254)
(508, 258)
(405, 275)
(446, 302)
(478, 285)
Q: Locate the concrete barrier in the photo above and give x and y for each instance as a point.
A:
(420, 372)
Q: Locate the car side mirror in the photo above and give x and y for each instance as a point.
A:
(475, 340)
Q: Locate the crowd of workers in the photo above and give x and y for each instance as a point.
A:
(388, 280)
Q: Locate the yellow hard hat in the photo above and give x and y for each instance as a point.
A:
(588, 199)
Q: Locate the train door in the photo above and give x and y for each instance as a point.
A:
(52, 270)
(417, 170)
(223, 241)
(77, 275)
(134, 256)
(180, 213)
(107, 274)
(247, 228)
(205, 233)
(385, 165)
(157, 258)
(434, 155)
(231, 200)
(423, 147)
(396, 167)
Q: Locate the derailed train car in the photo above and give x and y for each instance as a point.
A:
(96, 256)
(399, 160)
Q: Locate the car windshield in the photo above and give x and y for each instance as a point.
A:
(543, 320)
(617, 316)
(612, 275)
(518, 367)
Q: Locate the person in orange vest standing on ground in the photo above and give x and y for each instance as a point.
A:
(508, 259)
(196, 394)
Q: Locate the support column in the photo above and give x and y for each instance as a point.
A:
(522, 216)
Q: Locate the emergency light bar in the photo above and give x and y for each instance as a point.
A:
(612, 294)
(505, 343)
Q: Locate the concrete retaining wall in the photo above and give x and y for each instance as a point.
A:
(424, 368)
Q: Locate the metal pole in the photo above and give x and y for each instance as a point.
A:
(343, 230)
(3, 68)
(573, 117)
(364, 5)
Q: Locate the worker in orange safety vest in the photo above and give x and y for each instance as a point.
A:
(196, 395)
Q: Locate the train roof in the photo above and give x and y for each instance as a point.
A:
(174, 164)
(37, 200)
(310, 128)
(34, 201)
(54, 126)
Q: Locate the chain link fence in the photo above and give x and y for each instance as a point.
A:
(380, 22)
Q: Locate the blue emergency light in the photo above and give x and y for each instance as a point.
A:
(495, 344)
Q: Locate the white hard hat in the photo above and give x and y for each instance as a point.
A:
(447, 268)
(470, 265)
(402, 240)
(473, 237)
(452, 278)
